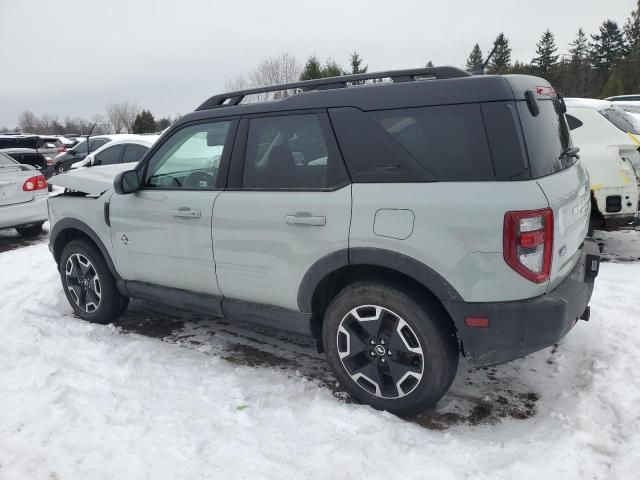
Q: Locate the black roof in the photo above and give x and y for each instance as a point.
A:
(407, 88)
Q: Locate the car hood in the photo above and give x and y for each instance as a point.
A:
(94, 180)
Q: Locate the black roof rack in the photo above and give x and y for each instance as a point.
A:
(397, 76)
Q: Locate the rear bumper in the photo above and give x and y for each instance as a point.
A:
(522, 327)
(26, 213)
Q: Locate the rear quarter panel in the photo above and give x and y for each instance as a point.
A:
(457, 231)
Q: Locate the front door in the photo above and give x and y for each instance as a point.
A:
(287, 206)
(162, 234)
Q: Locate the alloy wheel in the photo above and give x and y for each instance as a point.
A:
(83, 283)
(380, 351)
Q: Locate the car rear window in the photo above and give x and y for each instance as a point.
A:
(546, 136)
(625, 121)
(6, 160)
(449, 141)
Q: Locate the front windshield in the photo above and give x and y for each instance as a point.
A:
(625, 121)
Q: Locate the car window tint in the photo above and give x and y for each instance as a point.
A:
(133, 153)
(449, 141)
(190, 158)
(109, 156)
(573, 122)
(81, 147)
(288, 151)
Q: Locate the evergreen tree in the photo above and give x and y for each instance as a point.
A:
(608, 47)
(475, 60)
(144, 123)
(312, 69)
(429, 64)
(501, 59)
(632, 32)
(356, 64)
(163, 123)
(546, 49)
(579, 47)
(332, 69)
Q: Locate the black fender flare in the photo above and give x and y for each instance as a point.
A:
(74, 224)
(398, 262)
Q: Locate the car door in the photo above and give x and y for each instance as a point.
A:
(287, 205)
(161, 234)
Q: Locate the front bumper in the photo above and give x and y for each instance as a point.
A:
(26, 213)
(522, 327)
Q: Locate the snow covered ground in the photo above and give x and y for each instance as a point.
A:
(169, 395)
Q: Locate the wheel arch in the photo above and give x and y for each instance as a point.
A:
(331, 273)
(68, 229)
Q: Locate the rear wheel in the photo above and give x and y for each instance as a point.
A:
(389, 348)
(60, 169)
(89, 285)
(31, 230)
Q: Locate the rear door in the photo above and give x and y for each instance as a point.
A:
(12, 178)
(562, 178)
(287, 205)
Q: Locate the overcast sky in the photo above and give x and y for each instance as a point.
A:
(74, 57)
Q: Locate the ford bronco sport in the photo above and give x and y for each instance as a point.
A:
(402, 223)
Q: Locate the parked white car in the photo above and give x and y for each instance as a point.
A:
(126, 149)
(606, 136)
(23, 197)
(630, 103)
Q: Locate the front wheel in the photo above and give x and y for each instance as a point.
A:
(60, 169)
(390, 348)
(89, 285)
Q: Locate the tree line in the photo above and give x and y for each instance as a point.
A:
(601, 64)
(123, 117)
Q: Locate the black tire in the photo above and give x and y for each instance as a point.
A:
(31, 230)
(60, 169)
(429, 326)
(111, 303)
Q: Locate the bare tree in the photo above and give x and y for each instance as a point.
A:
(238, 83)
(284, 68)
(27, 121)
(122, 115)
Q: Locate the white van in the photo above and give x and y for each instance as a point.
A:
(608, 140)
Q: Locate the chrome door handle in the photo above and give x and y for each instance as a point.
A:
(187, 213)
(306, 219)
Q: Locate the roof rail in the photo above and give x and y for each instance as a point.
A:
(397, 76)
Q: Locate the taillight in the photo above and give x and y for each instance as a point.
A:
(34, 183)
(49, 160)
(528, 243)
(62, 149)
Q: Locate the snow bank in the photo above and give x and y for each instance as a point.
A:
(81, 401)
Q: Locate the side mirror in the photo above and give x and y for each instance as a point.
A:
(126, 182)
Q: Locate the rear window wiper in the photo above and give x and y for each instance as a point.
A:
(568, 154)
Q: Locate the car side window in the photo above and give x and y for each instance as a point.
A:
(289, 152)
(96, 144)
(133, 153)
(190, 158)
(109, 156)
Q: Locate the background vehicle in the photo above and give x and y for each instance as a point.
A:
(400, 223)
(608, 149)
(63, 161)
(23, 197)
(30, 156)
(630, 103)
(128, 149)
